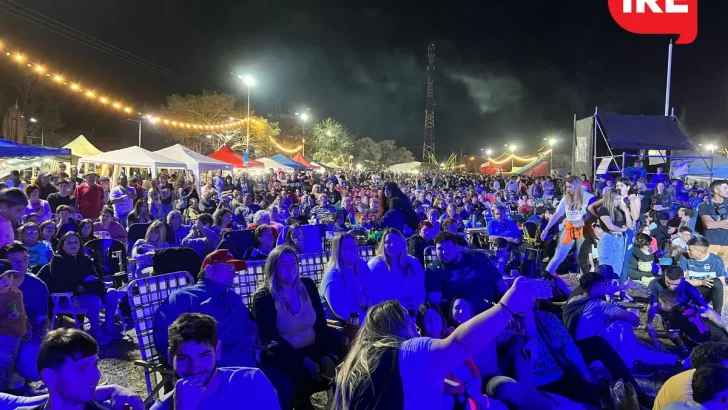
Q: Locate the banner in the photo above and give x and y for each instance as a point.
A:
(583, 152)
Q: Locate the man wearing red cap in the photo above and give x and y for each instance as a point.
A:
(237, 332)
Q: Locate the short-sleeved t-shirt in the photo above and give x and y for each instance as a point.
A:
(718, 212)
(597, 314)
(617, 221)
(422, 385)
(35, 297)
(38, 254)
(90, 199)
(676, 389)
(473, 277)
(6, 232)
(125, 206)
(575, 213)
(711, 267)
(246, 386)
(685, 292)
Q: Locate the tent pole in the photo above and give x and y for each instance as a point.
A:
(594, 147)
(669, 80)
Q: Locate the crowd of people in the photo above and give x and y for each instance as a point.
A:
(464, 304)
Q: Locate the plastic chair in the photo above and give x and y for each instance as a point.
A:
(62, 302)
(134, 233)
(110, 259)
(237, 242)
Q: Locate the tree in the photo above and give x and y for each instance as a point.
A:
(331, 141)
(212, 108)
(368, 153)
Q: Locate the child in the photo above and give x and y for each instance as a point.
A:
(12, 208)
(685, 320)
(65, 222)
(13, 323)
(39, 252)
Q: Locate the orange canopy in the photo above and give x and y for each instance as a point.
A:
(301, 160)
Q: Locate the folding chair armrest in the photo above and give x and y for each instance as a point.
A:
(57, 297)
(154, 367)
(265, 345)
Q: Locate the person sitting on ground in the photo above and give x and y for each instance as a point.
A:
(139, 215)
(193, 352)
(179, 231)
(679, 387)
(212, 295)
(143, 249)
(589, 315)
(710, 390)
(462, 273)
(72, 271)
(36, 205)
(288, 310)
(39, 252)
(685, 234)
(201, 237)
(705, 271)
(109, 224)
(464, 384)
(684, 325)
(500, 227)
(641, 264)
(399, 276)
(264, 242)
(86, 231)
(116, 396)
(68, 362)
(35, 303)
(14, 324)
(347, 280)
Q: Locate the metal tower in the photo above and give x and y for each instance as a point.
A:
(428, 151)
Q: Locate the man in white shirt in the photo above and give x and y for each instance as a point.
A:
(193, 352)
(122, 199)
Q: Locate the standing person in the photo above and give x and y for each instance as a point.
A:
(166, 197)
(615, 219)
(43, 181)
(662, 201)
(389, 191)
(13, 323)
(12, 207)
(89, 197)
(122, 198)
(36, 205)
(388, 348)
(574, 206)
(193, 352)
(62, 197)
(713, 220)
(14, 181)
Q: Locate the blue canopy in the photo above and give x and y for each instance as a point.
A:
(282, 159)
(10, 149)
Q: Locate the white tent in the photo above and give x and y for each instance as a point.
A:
(406, 167)
(195, 162)
(134, 157)
(269, 163)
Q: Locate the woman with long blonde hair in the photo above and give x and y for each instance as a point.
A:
(389, 367)
(614, 218)
(288, 310)
(347, 280)
(398, 275)
(573, 205)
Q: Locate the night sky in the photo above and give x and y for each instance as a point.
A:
(506, 71)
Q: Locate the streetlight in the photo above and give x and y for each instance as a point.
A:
(712, 147)
(358, 167)
(551, 160)
(249, 82)
(42, 139)
(512, 148)
(488, 152)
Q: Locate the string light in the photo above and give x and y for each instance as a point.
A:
(522, 159)
(116, 104)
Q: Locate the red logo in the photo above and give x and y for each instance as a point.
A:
(658, 17)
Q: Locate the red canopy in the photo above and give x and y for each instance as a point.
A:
(301, 160)
(226, 154)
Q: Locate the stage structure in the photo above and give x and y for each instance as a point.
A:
(611, 143)
(428, 150)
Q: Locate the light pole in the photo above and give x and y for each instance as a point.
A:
(151, 120)
(249, 82)
(512, 148)
(488, 152)
(304, 118)
(551, 160)
(42, 139)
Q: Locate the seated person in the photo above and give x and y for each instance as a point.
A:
(193, 352)
(72, 271)
(416, 244)
(288, 310)
(681, 242)
(464, 383)
(641, 263)
(398, 275)
(705, 271)
(394, 217)
(680, 386)
(48, 230)
(65, 222)
(451, 225)
(339, 219)
(674, 279)
(39, 252)
(14, 324)
(264, 242)
(212, 295)
(139, 215)
(201, 237)
(68, 363)
(500, 227)
(110, 225)
(295, 216)
(462, 273)
(294, 238)
(222, 221)
(683, 322)
(179, 231)
(144, 249)
(347, 280)
(191, 213)
(588, 315)
(86, 230)
(113, 394)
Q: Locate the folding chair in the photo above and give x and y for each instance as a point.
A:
(110, 259)
(312, 266)
(366, 253)
(145, 296)
(134, 233)
(246, 281)
(429, 255)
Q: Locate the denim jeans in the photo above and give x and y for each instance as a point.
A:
(9, 346)
(26, 362)
(94, 305)
(562, 251)
(628, 245)
(611, 251)
(163, 210)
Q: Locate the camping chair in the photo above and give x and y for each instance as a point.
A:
(237, 242)
(312, 266)
(246, 281)
(110, 259)
(145, 296)
(529, 232)
(134, 233)
(429, 255)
